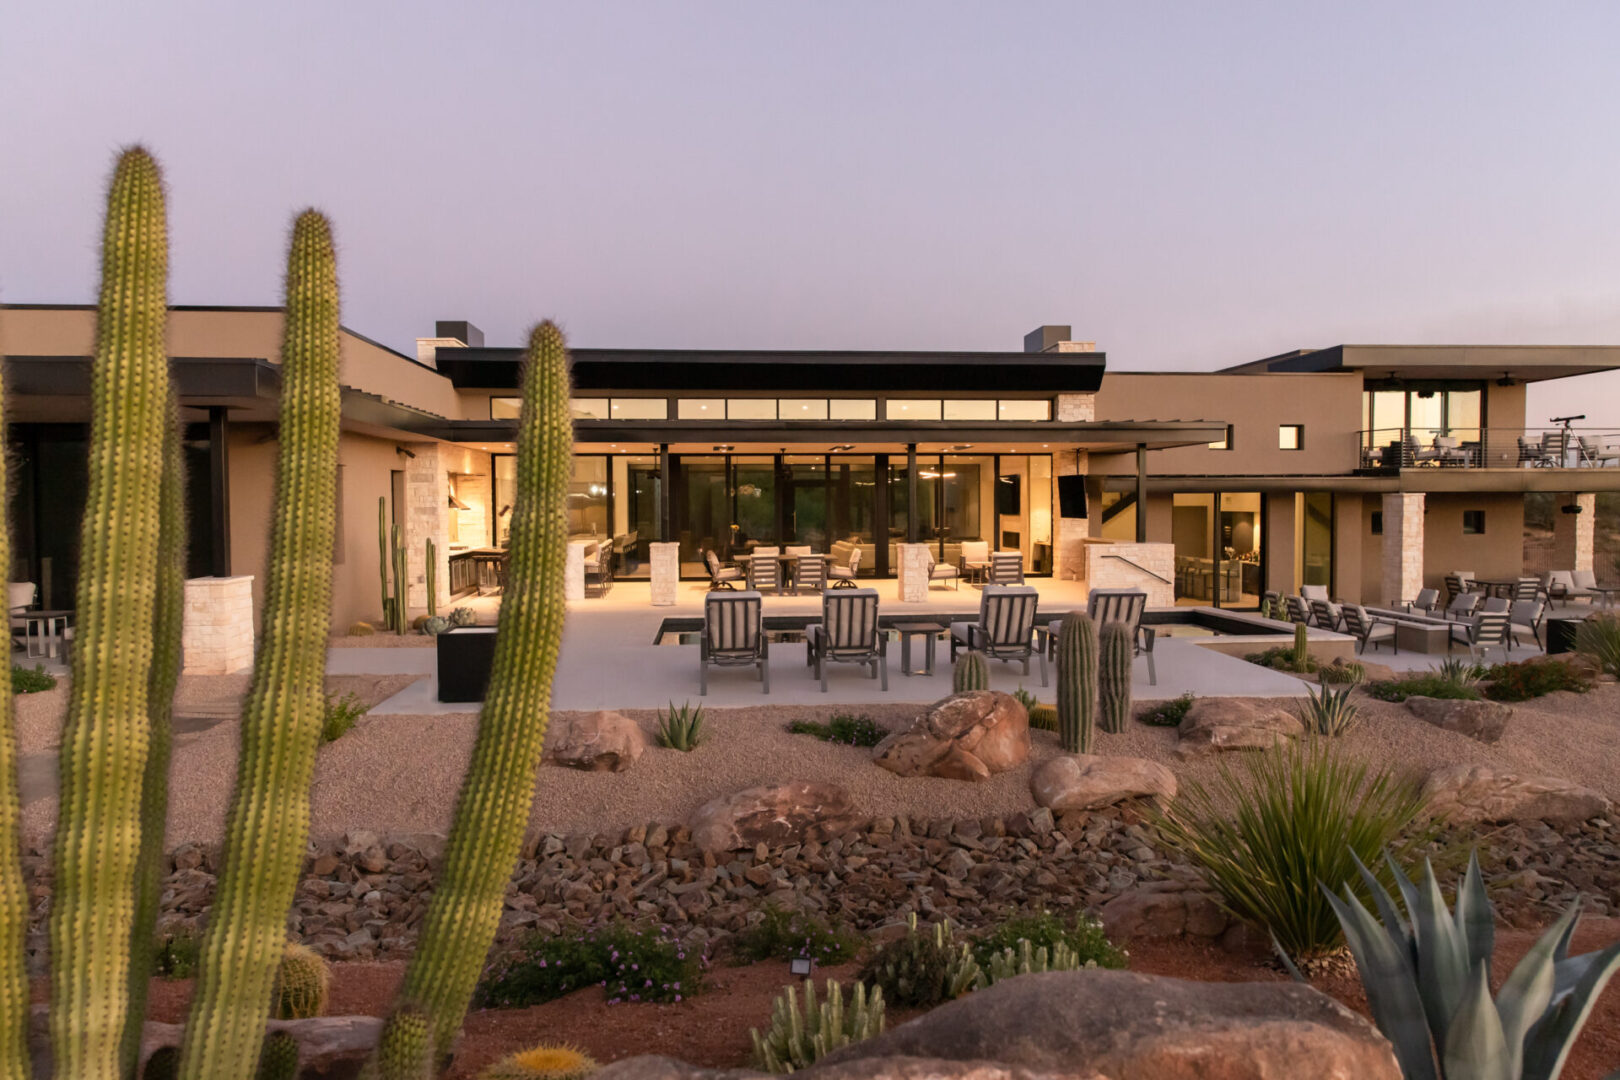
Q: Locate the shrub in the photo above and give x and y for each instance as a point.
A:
(922, 968)
(1599, 638)
(680, 729)
(1297, 815)
(176, 953)
(1340, 672)
(548, 1061)
(1168, 713)
(1281, 658)
(1081, 934)
(31, 680)
(1452, 678)
(846, 729)
(1329, 713)
(797, 1040)
(784, 935)
(630, 964)
(341, 714)
(1531, 679)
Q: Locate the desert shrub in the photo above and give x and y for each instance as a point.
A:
(1452, 678)
(31, 680)
(923, 968)
(630, 964)
(784, 935)
(844, 728)
(1531, 679)
(1599, 638)
(176, 952)
(1294, 816)
(1282, 658)
(680, 729)
(1081, 933)
(1168, 713)
(1340, 672)
(341, 714)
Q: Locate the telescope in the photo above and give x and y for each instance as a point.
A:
(1566, 419)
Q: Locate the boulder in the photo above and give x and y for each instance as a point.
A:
(1163, 909)
(783, 814)
(1215, 724)
(595, 742)
(1090, 781)
(1482, 720)
(1479, 793)
(963, 737)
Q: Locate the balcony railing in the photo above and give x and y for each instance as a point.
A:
(1393, 449)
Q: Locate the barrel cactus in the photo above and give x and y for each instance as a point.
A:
(1076, 682)
(970, 672)
(544, 1062)
(1115, 651)
(1043, 717)
(302, 980)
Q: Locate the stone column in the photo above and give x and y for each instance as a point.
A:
(913, 573)
(666, 572)
(1069, 534)
(574, 571)
(1403, 547)
(427, 516)
(216, 637)
(1573, 534)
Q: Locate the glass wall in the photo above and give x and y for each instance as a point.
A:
(1314, 528)
(1219, 548)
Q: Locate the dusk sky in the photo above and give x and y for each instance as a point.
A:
(1189, 185)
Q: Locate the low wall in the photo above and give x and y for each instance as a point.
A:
(1149, 567)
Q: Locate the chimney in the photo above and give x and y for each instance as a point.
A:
(448, 334)
(1046, 339)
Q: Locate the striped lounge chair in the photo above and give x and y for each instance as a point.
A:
(848, 633)
(733, 636)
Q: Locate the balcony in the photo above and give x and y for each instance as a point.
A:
(1390, 450)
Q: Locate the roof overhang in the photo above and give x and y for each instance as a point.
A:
(1415, 363)
(198, 380)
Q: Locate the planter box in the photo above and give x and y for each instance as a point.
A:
(465, 656)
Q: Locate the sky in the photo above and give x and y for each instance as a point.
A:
(1189, 185)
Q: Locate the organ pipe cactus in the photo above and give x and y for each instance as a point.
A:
(1115, 651)
(492, 810)
(14, 1001)
(1301, 647)
(402, 1048)
(1076, 682)
(268, 821)
(396, 551)
(798, 1040)
(970, 672)
(279, 1059)
(105, 737)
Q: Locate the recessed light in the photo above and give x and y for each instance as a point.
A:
(725, 446)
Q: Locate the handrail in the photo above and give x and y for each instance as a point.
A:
(1390, 449)
(1139, 566)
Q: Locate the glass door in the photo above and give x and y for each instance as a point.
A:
(1239, 550)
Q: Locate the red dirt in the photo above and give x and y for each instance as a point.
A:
(712, 1027)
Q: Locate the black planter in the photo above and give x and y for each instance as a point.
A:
(465, 656)
(1561, 635)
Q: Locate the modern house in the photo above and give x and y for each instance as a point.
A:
(1371, 469)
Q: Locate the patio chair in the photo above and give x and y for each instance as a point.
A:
(1454, 588)
(810, 572)
(843, 577)
(599, 568)
(1297, 611)
(1585, 584)
(1006, 568)
(1494, 605)
(1462, 606)
(938, 571)
(1524, 617)
(1483, 632)
(721, 577)
(764, 572)
(1427, 602)
(1121, 606)
(1561, 587)
(733, 636)
(1311, 594)
(1005, 629)
(973, 563)
(1326, 616)
(848, 633)
(1368, 629)
(1527, 588)
(1448, 451)
(20, 597)
(765, 549)
(794, 551)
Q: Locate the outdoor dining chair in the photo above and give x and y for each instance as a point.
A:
(1527, 588)
(1462, 606)
(843, 577)
(810, 572)
(974, 561)
(1428, 602)
(1005, 629)
(938, 571)
(733, 636)
(848, 633)
(764, 572)
(1368, 629)
(1494, 605)
(721, 577)
(1006, 568)
(1454, 587)
(1122, 606)
(790, 565)
(599, 568)
(1483, 632)
(1525, 618)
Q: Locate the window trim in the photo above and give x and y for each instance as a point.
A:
(1480, 531)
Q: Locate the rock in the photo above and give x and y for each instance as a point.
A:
(595, 742)
(787, 813)
(1163, 909)
(1465, 794)
(1482, 720)
(1214, 724)
(1088, 781)
(963, 737)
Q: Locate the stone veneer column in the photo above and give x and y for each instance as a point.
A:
(574, 571)
(427, 516)
(216, 637)
(1069, 534)
(1573, 534)
(1403, 547)
(913, 573)
(666, 572)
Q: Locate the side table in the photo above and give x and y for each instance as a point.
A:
(45, 627)
(929, 632)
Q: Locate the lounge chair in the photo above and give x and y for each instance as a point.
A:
(1297, 611)
(1427, 602)
(1562, 586)
(843, 577)
(1368, 629)
(721, 577)
(810, 572)
(1005, 629)
(1527, 588)
(848, 633)
(1462, 606)
(1483, 632)
(938, 571)
(1121, 606)
(1326, 616)
(1494, 605)
(1524, 617)
(1006, 568)
(733, 636)
(599, 568)
(973, 563)
(764, 572)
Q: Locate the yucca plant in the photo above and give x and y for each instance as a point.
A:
(1329, 713)
(1459, 672)
(682, 728)
(1599, 638)
(1296, 815)
(1427, 976)
(798, 1040)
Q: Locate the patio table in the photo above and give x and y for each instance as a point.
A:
(929, 632)
(1494, 586)
(43, 630)
(1607, 593)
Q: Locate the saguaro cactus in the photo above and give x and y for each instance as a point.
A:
(13, 893)
(1076, 682)
(402, 620)
(104, 738)
(383, 561)
(268, 821)
(432, 576)
(1115, 653)
(492, 810)
(1301, 647)
(970, 672)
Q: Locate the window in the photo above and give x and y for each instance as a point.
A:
(969, 410)
(1024, 410)
(914, 409)
(1378, 523)
(852, 409)
(802, 408)
(751, 408)
(1223, 444)
(505, 408)
(700, 409)
(581, 408)
(1473, 522)
(1291, 436)
(641, 408)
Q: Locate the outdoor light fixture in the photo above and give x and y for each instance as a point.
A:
(800, 965)
(836, 449)
(724, 446)
(963, 446)
(1505, 380)
(407, 453)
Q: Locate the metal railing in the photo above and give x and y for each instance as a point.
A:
(1139, 566)
(1395, 448)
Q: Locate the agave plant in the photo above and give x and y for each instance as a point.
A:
(1460, 672)
(680, 729)
(1427, 977)
(1329, 713)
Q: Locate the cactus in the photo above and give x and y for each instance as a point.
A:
(268, 822)
(1115, 651)
(1076, 682)
(1043, 717)
(14, 905)
(402, 1048)
(923, 969)
(434, 625)
(397, 556)
(798, 1040)
(278, 1059)
(104, 738)
(463, 616)
(971, 672)
(432, 576)
(302, 979)
(492, 810)
(543, 1062)
(383, 561)
(362, 629)
(1301, 651)
(1028, 960)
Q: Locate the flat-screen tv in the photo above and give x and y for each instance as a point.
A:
(1009, 491)
(1071, 496)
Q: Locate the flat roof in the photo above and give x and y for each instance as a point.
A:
(1522, 363)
